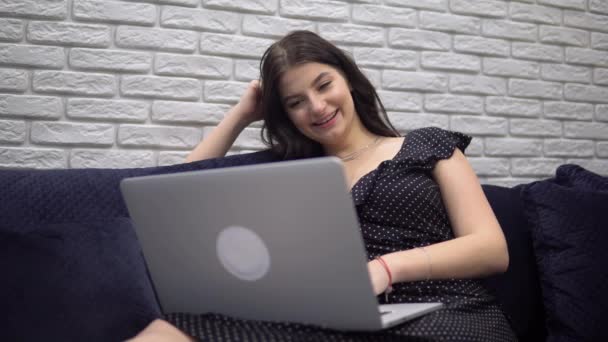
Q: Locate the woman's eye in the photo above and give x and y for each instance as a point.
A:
(293, 104)
(324, 85)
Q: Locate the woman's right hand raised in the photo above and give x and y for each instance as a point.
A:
(248, 108)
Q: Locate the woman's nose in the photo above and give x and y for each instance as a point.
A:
(317, 104)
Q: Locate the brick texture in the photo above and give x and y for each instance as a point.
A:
(137, 83)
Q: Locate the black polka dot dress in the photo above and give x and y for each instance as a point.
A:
(399, 207)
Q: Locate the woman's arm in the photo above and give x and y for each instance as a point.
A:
(479, 247)
(223, 136)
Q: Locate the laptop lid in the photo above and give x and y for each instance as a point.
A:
(275, 242)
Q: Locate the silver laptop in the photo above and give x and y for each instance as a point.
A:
(275, 242)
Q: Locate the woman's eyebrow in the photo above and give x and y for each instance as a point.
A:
(316, 80)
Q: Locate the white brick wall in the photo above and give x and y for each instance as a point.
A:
(92, 83)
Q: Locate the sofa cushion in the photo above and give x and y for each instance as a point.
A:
(568, 215)
(72, 268)
(518, 289)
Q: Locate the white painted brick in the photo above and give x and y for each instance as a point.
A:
(13, 80)
(585, 93)
(315, 9)
(476, 125)
(32, 158)
(600, 76)
(486, 8)
(534, 166)
(273, 27)
(256, 6)
(400, 101)
(450, 61)
(568, 148)
(490, 166)
(475, 148)
(115, 159)
(73, 34)
(156, 39)
(535, 128)
(594, 22)
(172, 158)
(199, 19)
(114, 12)
(599, 40)
(383, 15)
(421, 81)
(586, 130)
(540, 89)
(74, 83)
(224, 91)
(192, 66)
(453, 103)
(535, 13)
(513, 147)
(352, 34)
(385, 58)
(568, 110)
(110, 60)
(507, 106)
(158, 136)
(601, 112)
(448, 22)
(565, 73)
(374, 76)
(231, 45)
(186, 3)
(577, 4)
(508, 182)
(12, 131)
(246, 69)
(594, 165)
(27, 106)
(508, 29)
(433, 5)
(510, 68)
(566, 36)
(66, 133)
(598, 6)
(248, 139)
(56, 9)
(11, 30)
(586, 56)
(482, 46)
(537, 52)
(188, 112)
(48, 57)
(478, 85)
(107, 110)
(161, 87)
(602, 149)
(405, 38)
(406, 122)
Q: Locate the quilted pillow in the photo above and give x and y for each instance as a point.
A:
(568, 215)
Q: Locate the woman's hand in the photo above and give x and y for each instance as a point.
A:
(161, 331)
(248, 107)
(378, 276)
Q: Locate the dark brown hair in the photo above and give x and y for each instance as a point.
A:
(299, 47)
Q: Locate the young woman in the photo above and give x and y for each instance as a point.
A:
(428, 228)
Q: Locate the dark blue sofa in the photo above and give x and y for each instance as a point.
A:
(72, 268)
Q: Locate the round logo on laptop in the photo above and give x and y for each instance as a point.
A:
(243, 253)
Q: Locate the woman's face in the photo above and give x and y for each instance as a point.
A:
(317, 99)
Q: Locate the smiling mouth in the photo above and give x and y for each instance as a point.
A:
(327, 120)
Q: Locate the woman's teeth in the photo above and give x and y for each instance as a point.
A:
(328, 119)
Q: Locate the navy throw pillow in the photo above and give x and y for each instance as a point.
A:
(82, 281)
(568, 215)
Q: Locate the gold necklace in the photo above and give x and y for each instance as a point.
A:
(356, 154)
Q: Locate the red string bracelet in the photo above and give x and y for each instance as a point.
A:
(389, 288)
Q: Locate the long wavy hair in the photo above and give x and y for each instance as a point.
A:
(299, 47)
